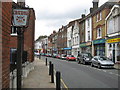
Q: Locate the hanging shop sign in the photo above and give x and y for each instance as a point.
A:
(115, 40)
(20, 17)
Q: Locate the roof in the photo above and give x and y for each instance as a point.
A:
(105, 5)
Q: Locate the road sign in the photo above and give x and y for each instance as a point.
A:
(20, 17)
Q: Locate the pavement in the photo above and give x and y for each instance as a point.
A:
(39, 77)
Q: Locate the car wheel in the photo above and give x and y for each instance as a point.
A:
(84, 62)
(99, 66)
(78, 62)
(92, 65)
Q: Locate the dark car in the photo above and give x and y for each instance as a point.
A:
(84, 58)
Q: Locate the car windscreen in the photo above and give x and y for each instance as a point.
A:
(103, 58)
(88, 55)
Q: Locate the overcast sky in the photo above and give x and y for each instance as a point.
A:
(52, 14)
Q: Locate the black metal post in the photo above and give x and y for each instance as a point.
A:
(58, 83)
(19, 57)
(50, 67)
(46, 61)
(52, 73)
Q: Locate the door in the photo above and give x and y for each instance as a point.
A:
(113, 56)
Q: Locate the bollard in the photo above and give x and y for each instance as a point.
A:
(58, 83)
(52, 73)
(46, 61)
(50, 67)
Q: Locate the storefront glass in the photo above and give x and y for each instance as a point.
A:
(100, 50)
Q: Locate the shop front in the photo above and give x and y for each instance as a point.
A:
(75, 50)
(68, 50)
(86, 47)
(99, 47)
(113, 48)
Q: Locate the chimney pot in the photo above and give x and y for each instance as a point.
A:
(21, 3)
(83, 15)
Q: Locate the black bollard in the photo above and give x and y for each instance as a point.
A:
(50, 68)
(46, 61)
(52, 73)
(58, 83)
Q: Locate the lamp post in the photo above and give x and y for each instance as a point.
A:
(20, 21)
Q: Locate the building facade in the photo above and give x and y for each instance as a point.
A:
(62, 40)
(98, 27)
(69, 37)
(113, 34)
(5, 29)
(75, 38)
(28, 34)
(82, 34)
(88, 33)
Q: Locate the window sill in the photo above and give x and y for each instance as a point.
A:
(13, 34)
(98, 37)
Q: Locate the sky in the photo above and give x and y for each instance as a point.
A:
(52, 14)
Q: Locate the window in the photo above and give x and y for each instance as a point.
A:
(13, 30)
(99, 33)
(100, 15)
(88, 22)
(88, 35)
(97, 17)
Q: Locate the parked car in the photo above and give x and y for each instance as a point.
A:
(54, 55)
(57, 56)
(63, 56)
(47, 55)
(84, 58)
(102, 62)
(71, 57)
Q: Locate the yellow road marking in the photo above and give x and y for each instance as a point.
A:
(64, 84)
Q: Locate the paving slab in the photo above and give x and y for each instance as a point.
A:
(39, 77)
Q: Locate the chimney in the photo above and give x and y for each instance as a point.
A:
(21, 3)
(95, 4)
(91, 10)
(83, 15)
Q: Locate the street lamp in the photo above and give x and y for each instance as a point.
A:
(20, 21)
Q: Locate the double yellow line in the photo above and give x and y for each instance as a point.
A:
(63, 82)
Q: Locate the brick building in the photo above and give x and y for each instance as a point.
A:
(5, 28)
(98, 27)
(62, 40)
(28, 33)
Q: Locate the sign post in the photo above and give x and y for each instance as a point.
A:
(20, 21)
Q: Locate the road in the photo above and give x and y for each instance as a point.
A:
(84, 76)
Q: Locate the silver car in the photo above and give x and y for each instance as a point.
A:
(102, 62)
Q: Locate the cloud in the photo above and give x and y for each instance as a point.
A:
(52, 14)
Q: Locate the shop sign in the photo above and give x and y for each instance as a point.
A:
(67, 48)
(115, 40)
(100, 41)
(83, 45)
(20, 17)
